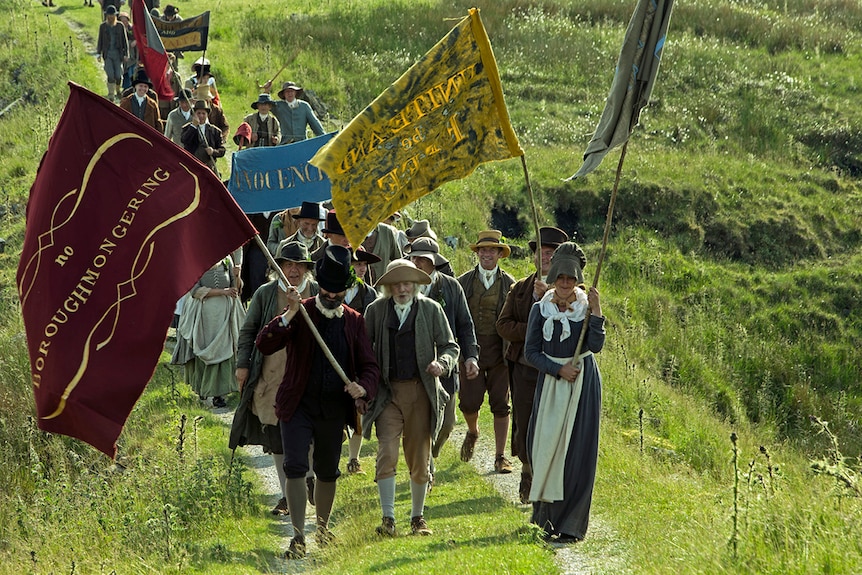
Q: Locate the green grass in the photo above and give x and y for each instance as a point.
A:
(730, 284)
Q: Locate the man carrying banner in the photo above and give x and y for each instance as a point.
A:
(313, 403)
(293, 114)
(202, 138)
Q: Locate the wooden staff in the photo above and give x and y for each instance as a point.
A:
(287, 63)
(306, 317)
(538, 254)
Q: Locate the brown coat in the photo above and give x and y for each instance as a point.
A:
(151, 112)
(512, 321)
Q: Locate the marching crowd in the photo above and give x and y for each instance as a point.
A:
(381, 336)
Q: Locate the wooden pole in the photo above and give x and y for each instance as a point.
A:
(305, 316)
(538, 254)
(608, 221)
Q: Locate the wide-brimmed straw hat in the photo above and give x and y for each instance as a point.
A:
(402, 270)
(491, 239)
(426, 247)
(293, 251)
(550, 237)
(569, 260)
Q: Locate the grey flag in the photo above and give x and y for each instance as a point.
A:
(635, 76)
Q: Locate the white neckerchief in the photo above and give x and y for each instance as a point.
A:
(328, 313)
(186, 115)
(488, 277)
(263, 117)
(300, 288)
(426, 289)
(402, 310)
(305, 240)
(576, 311)
(140, 100)
(293, 105)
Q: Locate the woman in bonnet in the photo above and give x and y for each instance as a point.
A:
(563, 434)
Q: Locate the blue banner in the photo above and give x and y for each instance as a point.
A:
(275, 178)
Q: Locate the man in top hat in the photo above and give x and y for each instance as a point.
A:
(334, 234)
(139, 104)
(307, 221)
(202, 138)
(414, 348)
(179, 116)
(445, 290)
(258, 376)
(383, 242)
(265, 129)
(512, 327)
(313, 403)
(486, 287)
(112, 48)
(293, 114)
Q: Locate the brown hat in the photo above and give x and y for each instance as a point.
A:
(201, 105)
(402, 270)
(551, 237)
(289, 86)
(426, 247)
(293, 251)
(420, 229)
(491, 239)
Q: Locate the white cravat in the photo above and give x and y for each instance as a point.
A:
(488, 277)
(140, 100)
(326, 312)
(426, 289)
(293, 105)
(402, 310)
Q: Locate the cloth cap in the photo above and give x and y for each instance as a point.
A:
(111, 10)
(243, 134)
(402, 270)
(569, 259)
(333, 271)
(551, 237)
(491, 239)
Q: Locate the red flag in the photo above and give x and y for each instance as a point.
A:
(120, 224)
(151, 51)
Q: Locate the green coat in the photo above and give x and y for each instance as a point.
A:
(434, 341)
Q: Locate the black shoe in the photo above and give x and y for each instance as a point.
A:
(309, 487)
(281, 507)
(296, 549)
(218, 401)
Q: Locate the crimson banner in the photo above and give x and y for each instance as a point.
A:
(120, 224)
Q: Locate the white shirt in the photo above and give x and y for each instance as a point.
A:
(488, 277)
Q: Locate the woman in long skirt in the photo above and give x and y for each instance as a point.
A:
(563, 434)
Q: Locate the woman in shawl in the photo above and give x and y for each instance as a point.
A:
(563, 434)
(208, 332)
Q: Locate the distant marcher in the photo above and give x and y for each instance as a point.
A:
(216, 115)
(486, 287)
(172, 14)
(208, 333)
(445, 290)
(139, 104)
(415, 348)
(265, 129)
(512, 327)
(202, 76)
(293, 114)
(202, 138)
(130, 66)
(313, 403)
(112, 48)
(258, 375)
(422, 229)
(568, 398)
(179, 117)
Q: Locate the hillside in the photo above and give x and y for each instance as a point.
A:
(731, 281)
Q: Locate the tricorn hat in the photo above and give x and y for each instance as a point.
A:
(289, 86)
(426, 247)
(420, 229)
(201, 105)
(263, 99)
(332, 271)
(549, 236)
(402, 270)
(141, 78)
(569, 260)
(308, 211)
(332, 225)
(293, 251)
(491, 239)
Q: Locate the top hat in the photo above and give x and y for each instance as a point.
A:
(332, 225)
(309, 211)
(551, 237)
(426, 247)
(293, 251)
(569, 259)
(263, 99)
(420, 229)
(491, 239)
(141, 77)
(402, 270)
(291, 86)
(111, 10)
(201, 105)
(332, 271)
(184, 95)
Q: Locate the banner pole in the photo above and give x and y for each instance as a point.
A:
(305, 316)
(538, 254)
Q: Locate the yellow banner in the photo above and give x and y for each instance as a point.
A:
(441, 119)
